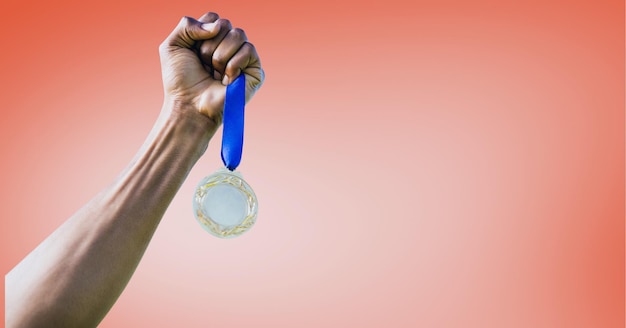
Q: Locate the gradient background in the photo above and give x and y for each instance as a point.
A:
(418, 163)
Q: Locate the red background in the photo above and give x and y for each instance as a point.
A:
(417, 163)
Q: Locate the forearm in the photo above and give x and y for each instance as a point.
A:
(75, 276)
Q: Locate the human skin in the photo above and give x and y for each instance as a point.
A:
(74, 276)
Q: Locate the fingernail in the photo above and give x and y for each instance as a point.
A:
(225, 80)
(208, 26)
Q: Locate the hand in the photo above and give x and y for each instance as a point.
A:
(200, 84)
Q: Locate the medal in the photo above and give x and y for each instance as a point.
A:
(224, 204)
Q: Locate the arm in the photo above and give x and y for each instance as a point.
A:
(77, 273)
(75, 276)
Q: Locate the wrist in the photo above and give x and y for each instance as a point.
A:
(188, 126)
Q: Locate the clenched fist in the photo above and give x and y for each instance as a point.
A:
(200, 58)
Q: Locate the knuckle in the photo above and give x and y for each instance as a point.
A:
(238, 33)
(231, 66)
(224, 23)
(206, 49)
(219, 59)
(165, 46)
(211, 16)
(249, 48)
(185, 20)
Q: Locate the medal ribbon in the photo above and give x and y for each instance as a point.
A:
(232, 137)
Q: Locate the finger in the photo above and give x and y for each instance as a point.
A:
(208, 47)
(246, 61)
(233, 41)
(209, 17)
(189, 31)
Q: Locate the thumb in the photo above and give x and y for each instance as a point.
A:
(189, 31)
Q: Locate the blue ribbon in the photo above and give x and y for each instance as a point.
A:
(232, 138)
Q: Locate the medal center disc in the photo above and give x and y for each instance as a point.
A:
(225, 205)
